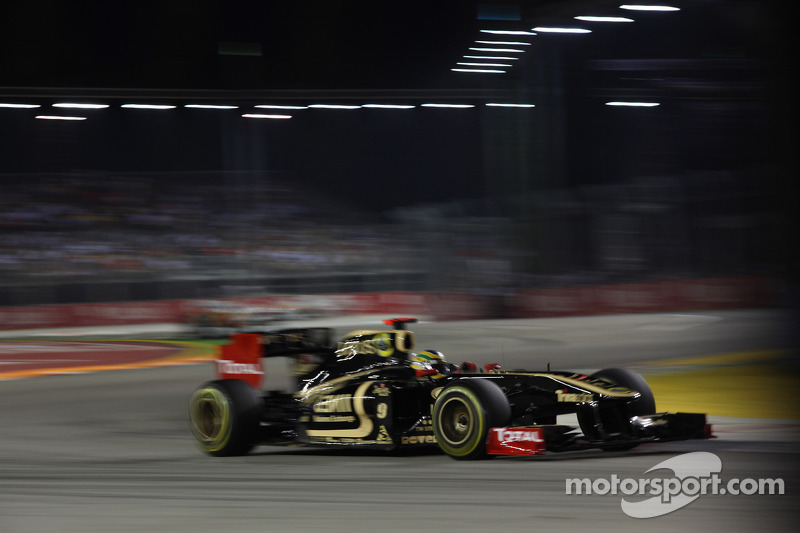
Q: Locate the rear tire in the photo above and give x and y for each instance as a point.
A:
(224, 416)
(463, 413)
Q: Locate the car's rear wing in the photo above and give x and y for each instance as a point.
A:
(241, 358)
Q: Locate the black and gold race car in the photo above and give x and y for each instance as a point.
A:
(372, 390)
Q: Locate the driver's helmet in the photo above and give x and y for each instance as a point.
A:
(431, 359)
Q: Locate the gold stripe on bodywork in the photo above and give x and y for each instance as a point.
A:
(365, 426)
(306, 396)
(616, 392)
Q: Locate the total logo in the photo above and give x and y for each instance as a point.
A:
(230, 367)
(518, 435)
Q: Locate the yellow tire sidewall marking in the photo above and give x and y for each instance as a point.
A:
(477, 417)
(218, 441)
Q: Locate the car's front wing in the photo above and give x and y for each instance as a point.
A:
(538, 439)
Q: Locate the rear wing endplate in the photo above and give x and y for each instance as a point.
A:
(241, 358)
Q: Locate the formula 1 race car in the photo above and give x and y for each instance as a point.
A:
(371, 390)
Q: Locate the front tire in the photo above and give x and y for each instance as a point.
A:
(224, 417)
(645, 404)
(463, 413)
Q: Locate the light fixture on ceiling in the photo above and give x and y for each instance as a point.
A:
(592, 18)
(639, 7)
(547, 29)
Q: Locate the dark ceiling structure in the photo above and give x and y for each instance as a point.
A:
(248, 46)
(721, 71)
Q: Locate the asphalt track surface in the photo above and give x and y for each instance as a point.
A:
(110, 451)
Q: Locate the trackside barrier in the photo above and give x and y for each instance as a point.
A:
(648, 297)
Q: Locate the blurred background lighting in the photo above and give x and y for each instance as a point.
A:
(389, 106)
(256, 115)
(492, 57)
(269, 106)
(211, 106)
(509, 105)
(545, 29)
(334, 106)
(508, 32)
(507, 43)
(639, 7)
(590, 18)
(55, 117)
(81, 106)
(478, 70)
(457, 106)
(506, 50)
(484, 64)
(148, 106)
(20, 106)
(633, 104)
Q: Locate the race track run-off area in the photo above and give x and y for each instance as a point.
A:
(32, 358)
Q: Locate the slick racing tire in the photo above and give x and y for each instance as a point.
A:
(463, 413)
(224, 416)
(645, 404)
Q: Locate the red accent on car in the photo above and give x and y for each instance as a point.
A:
(491, 366)
(241, 359)
(515, 441)
(399, 323)
(426, 372)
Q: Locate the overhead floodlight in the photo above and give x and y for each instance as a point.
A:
(266, 106)
(334, 106)
(484, 64)
(493, 57)
(508, 32)
(479, 70)
(389, 106)
(509, 105)
(256, 115)
(591, 18)
(148, 106)
(638, 7)
(633, 104)
(56, 117)
(507, 43)
(81, 106)
(544, 29)
(211, 106)
(512, 50)
(20, 106)
(454, 106)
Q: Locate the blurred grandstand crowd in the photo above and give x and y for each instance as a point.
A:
(95, 227)
(68, 238)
